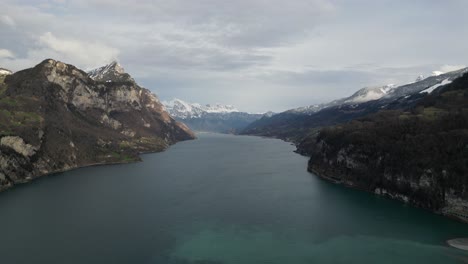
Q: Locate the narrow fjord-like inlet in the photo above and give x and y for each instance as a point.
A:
(219, 199)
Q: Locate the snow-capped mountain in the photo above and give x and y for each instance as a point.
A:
(292, 124)
(363, 95)
(5, 71)
(210, 117)
(112, 72)
(436, 80)
(388, 92)
(369, 94)
(419, 78)
(183, 110)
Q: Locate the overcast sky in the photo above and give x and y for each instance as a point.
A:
(255, 54)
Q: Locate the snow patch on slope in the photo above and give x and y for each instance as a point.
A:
(432, 88)
(369, 94)
(437, 73)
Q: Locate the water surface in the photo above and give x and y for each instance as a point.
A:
(218, 199)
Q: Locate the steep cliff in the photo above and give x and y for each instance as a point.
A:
(419, 156)
(53, 117)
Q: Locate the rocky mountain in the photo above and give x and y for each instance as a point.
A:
(210, 117)
(112, 72)
(418, 155)
(295, 124)
(54, 117)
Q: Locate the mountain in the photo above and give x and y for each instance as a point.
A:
(417, 155)
(113, 72)
(361, 96)
(295, 124)
(54, 117)
(211, 117)
(183, 110)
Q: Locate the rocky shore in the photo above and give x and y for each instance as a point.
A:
(417, 156)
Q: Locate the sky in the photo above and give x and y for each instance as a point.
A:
(257, 55)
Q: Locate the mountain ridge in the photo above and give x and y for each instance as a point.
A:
(210, 117)
(294, 124)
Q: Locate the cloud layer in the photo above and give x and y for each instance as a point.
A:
(258, 55)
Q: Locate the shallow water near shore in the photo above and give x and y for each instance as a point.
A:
(218, 199)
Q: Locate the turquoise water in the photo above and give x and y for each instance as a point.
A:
(219, 199)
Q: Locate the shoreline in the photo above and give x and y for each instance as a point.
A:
(339, 182)
(52, 173)
(94, 164)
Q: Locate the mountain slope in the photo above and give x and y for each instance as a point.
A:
(54, 117)
(211, 117)
(295, 124)
(418, 155)
(361, 96)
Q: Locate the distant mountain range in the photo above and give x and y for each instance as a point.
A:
(181, 109)
(294, 124)
(388, 91)
(210, 117)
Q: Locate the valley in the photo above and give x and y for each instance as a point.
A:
(233, 132)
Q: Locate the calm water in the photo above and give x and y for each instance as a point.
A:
(219, 199)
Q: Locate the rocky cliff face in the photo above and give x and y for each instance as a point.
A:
(54, 117)
(418, 156)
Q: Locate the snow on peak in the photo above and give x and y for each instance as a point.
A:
(219, 108)
(437, 73)
(5, 71)
(363, 95)
(181, 109)
(387, 88)
(109, 72)
(420, 78)
(370, 94)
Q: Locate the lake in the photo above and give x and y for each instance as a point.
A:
(218, 199)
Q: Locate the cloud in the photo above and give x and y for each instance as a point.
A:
(256, 54)
(448, 68)
(7, 20)
(250, 23)
(4, 53)
(90, 53)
